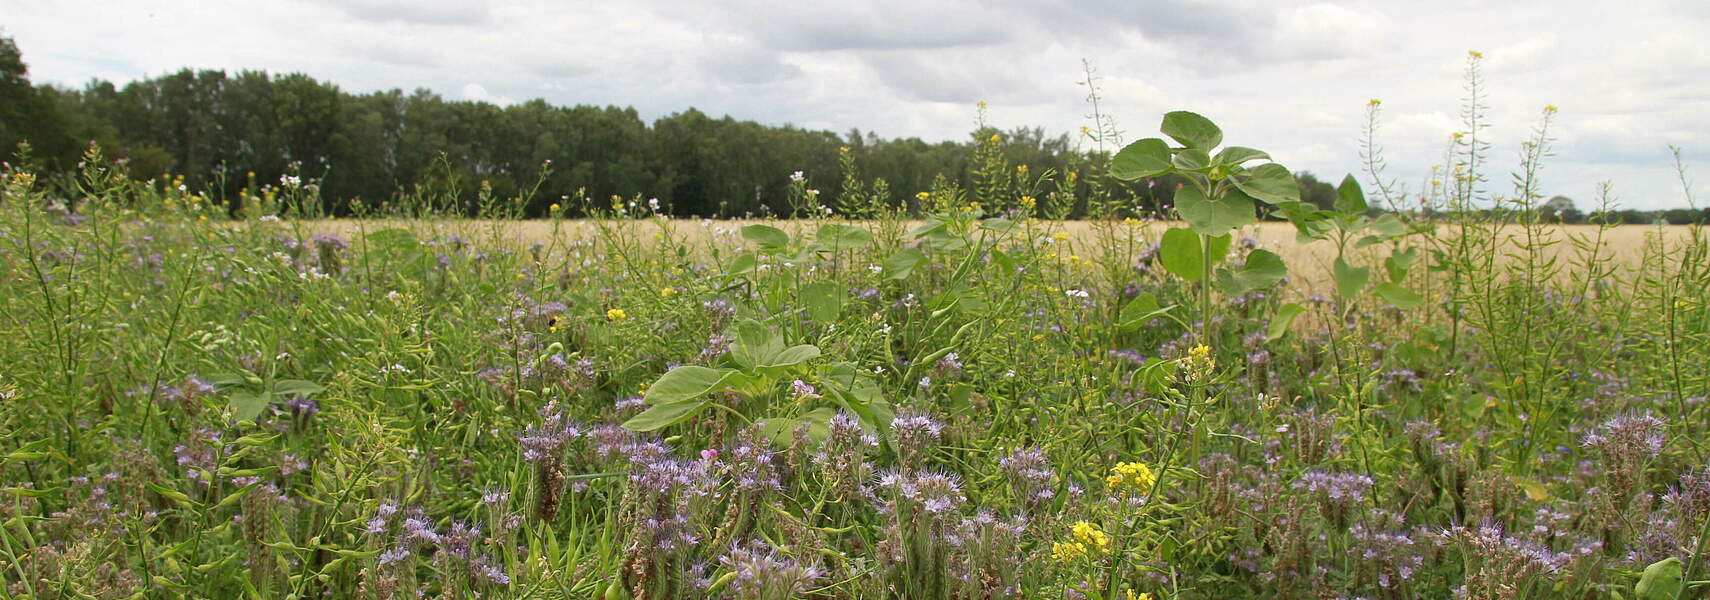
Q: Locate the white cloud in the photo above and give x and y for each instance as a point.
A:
(1291, 77)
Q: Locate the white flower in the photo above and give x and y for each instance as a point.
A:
(1076, 293)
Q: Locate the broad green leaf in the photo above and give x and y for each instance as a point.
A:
(824, 300)
(665, 415)
(1270, 183)
(782, 430)
(1139, 311)
(1281, 321)
(767, 236)
(1191, 130)
(754, 343)
(1219, 249)
(247, 405)
(296, 387)
(837, 237)
(1192, 159)
(1214, 217)
(686, 383)
(1000, 225)
(858, 393)
(1399, 262)
(1350, 199)
(1350, 280)
(1399, 296)
(1263, 269)
(791, 356)
(1660, 581)
(1181, 254)
(1149, 157)
(903, 262)
(930, 225)
(743, 264)
(1235, 155)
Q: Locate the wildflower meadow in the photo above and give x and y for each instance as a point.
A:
(955, 398)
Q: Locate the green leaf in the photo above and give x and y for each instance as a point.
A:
(837, 237)
(930, 225)
(1000, 225)
(1281, 321)
(296, 387)
(1399, 296)
(1192, 159)
(1219, 249)
(1139, 311)
(903, 262)
(665, 415)
(1399, 262)
(1191, 130)
(1214, 217)
(1350, 199)
(686, 383)
(1661, 581)
(1181, 254)
(754, 343)
(1149, 157)
(1270, 183)
(858, 393)
(1350, 279)
(247, 405)
(824, 300)
(1235, 155)
(791, 356)
(768, 237)
(1263, 269)
(743, 264)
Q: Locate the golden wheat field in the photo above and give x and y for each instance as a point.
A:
(1624, 247)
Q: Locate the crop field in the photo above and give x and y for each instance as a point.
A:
(967, 403)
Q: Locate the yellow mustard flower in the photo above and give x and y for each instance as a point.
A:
(1130, 595)
(616, 314)
(1088, 533)
(667, 292)
(1067, 550)
(1131, 476)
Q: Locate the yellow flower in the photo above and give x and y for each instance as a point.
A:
(1475, 54)
(997, 138)
(667, 292)
(1067, 550)
(1550, 108)
(1061, 236)
(1130, 595)
(616, 314)
(554, 207)
(1131, 476)
(1087, 533)
(923, 196)
(1375, 102)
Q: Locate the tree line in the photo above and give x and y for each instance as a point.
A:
(226, 133)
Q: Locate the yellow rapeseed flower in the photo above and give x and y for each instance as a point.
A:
(1087, 533)
(1130, 595)
(1131, 476)
(616, 314)
(1067, 550)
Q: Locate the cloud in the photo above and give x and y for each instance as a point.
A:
(1289, 76)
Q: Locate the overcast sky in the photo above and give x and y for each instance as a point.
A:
(1289, 77)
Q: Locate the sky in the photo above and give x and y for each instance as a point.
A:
(1292, 78)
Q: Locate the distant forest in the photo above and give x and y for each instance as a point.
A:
(222, 132)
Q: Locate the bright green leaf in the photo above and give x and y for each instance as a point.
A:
(1149, 157)
(1181, 254)
(1235, 155)
(824, 300)
(1214, 217)
(1191, 130)
(1192, 159)
(767, 236)
(1263, 269)
(1660, 581)
(1399, 296)
(665, 415)
(1281, 321)
(837, 237)
(903, 262)
(686, 383)
(754, 343)
(1350, 280)
(1270, 183)
(1350, 199)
